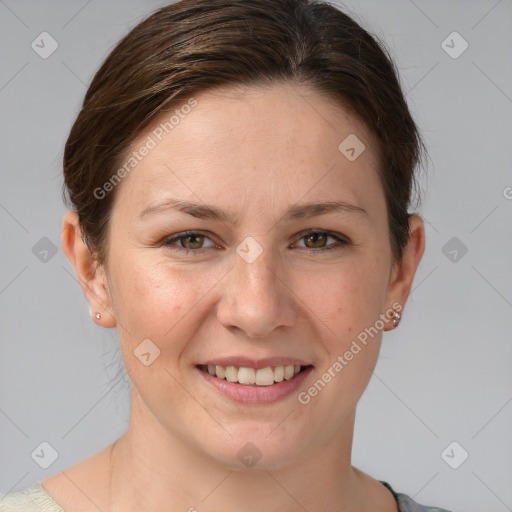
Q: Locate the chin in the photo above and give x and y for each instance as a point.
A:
(249, 451)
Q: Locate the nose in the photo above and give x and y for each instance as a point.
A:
(257, 297)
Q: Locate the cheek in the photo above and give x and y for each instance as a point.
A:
(148, 299)
(350, 296)
(349, 301)
(153, 299)
(353, 300)
(158, 304)
(167, 303)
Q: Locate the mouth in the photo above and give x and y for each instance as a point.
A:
(254, 377)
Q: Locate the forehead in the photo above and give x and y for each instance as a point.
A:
(267, 145)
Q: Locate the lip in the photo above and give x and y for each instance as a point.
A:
(246, 394)
(256, 363)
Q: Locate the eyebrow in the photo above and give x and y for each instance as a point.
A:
(205, 211)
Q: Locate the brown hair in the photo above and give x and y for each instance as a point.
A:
(194, 45)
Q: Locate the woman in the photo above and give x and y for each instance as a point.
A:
(239, 179)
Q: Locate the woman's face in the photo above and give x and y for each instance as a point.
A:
(254, 289)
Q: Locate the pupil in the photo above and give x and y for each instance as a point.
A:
(315, 235)
(192, 237)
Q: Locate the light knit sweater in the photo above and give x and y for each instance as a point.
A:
(32, 499)
(36, 499)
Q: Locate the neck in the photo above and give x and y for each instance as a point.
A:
(181, 478)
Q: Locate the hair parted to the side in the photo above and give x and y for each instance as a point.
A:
(194, 45)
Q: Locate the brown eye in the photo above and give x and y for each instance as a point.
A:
(317, 240)
(191, 241)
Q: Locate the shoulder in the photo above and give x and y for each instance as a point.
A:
(31, 499)
(407, 504)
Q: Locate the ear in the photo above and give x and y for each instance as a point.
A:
(91, 275)
(403, 272)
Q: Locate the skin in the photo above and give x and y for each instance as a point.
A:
(254, 152)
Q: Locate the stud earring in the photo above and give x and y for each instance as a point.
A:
(98, 315)
(396, 318)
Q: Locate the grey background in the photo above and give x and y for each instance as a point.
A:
(444, 375)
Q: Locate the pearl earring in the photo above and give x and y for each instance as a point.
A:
(396, 318)
(98, 315)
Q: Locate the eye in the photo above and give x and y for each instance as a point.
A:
(316, 240)
(191, 241)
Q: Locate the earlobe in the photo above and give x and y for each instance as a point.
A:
(91, 276)
(405, 270)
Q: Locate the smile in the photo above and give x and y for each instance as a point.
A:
(249, 385)
(253, 376)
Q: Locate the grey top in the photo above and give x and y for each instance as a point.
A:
(36, 499)
(405, 504)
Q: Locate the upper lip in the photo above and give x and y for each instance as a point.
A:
(247, 362)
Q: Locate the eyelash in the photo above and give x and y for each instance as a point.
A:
(168, 242)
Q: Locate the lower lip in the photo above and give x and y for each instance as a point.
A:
(257, 394)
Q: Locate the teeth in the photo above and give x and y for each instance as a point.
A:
(288, 372)
(231, 373)
(221, 371)
(247, 376)
(251, 376)
(279, 373)
(265, 376)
